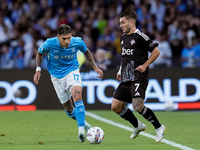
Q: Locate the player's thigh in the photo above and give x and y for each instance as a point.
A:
(121, 96)
(122, 93)
(60, 88)
(74, 85)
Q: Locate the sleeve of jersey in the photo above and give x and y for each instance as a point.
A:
(83, 46)
(150, 45)
(43, 48)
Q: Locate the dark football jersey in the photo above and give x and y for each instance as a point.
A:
(135, 49)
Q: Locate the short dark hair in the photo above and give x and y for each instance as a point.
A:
(64, 29)
(129, 15)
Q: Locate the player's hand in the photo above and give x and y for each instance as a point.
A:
(141, 68)
(36, 77)
(99, 71)
(118, 77)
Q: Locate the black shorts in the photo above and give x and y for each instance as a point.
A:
(128, 90)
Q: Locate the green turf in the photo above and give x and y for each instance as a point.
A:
(53, 130)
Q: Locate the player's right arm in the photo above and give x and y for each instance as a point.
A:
(39, 56)
(118, 76)
(37, 75)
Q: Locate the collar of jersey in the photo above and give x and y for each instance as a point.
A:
(136, 30)
(133, 32)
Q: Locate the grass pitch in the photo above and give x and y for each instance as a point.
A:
(53, 130)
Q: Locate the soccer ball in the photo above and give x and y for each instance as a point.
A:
(169, 106)
(18, 93)
(95, 135)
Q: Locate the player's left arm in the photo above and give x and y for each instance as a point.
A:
(154, 55)
(90, 58)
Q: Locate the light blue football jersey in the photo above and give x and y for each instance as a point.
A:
(61, 61)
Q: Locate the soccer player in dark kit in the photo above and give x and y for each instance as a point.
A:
(133, 74)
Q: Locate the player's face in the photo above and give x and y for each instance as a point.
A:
(125, 25)
(65, 39)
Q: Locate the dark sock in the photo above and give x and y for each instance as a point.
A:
(149, 115)
(128, 115)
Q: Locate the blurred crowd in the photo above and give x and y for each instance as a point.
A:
(26, 24)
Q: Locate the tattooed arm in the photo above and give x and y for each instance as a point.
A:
(37, 75)
(39, 58)
(90, 58)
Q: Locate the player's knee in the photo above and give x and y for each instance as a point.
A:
(77, 96)
(117, 105)
(115, 108)
(76, 93)
(137, 108)
(138, 104)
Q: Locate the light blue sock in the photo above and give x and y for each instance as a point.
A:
(80, 113)
(71, 114)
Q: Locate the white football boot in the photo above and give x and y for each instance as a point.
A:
(160, 133)
(136, 131)
(81, 134)
(87, 126)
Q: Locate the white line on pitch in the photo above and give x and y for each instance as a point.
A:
(97, 117)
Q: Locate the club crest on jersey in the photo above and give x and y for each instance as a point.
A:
(56, 57)
(73, 49)
(132, 41)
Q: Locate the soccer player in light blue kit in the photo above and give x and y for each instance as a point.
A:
(64, 70)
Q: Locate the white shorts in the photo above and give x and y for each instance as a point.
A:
(64, 85)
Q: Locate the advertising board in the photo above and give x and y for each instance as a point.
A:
(180, 87)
